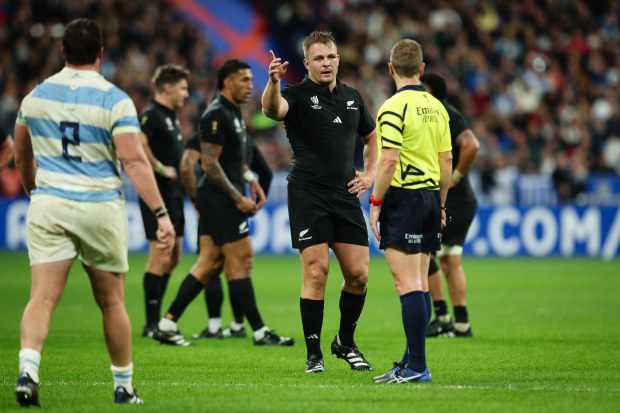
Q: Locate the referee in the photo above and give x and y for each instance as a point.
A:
(408, 199)
(461, 205)
(162, 141)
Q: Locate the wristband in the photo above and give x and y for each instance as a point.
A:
(162, 211)
(443, 208)
(160, 168)
(457, 176)
(248, 176)
(375, 201)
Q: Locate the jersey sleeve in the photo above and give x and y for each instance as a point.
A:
(124, 118)
(288, 93)
(367, 122)
(149, 124)
(193, 143)
(390, 130)
(213, 127)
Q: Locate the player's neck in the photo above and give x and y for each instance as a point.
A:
(406, 81)
(164, 102)
(227, 94)
(94, 66)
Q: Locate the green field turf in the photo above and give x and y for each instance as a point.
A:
(546, 339)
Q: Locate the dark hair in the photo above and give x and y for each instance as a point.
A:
(436, 84)
(81, 41)
(231, 66)
(317, 37)
(406, 58)
(168, 74)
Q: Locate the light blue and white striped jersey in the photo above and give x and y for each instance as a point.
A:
(72, 117)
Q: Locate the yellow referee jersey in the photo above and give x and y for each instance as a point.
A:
(418, 124)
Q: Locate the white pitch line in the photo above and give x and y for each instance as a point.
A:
(510, 387)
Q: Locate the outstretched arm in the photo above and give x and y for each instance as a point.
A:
(274, 105)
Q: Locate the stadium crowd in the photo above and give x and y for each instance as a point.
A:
(538, 80)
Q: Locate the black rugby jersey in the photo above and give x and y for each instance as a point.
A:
(458, 124)
(254, 159)
(222, 124)
(163, 130)
(322, 128)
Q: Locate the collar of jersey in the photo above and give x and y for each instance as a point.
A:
(321, 88)
(164, 108)
(227, 103)
(417, 88)
(68, 72)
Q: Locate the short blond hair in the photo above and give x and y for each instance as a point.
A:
(318, 37)
(168, 73)
(406, 58)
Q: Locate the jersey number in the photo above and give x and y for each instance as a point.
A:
(411, 170)
(70, 138)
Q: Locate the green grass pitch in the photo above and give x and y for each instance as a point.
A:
(546, 339)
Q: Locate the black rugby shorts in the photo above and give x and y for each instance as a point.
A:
(410, 220)
(220, 219)
(318, 216)
(174, 204)
(461, 213)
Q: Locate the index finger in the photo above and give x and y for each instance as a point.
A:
(272, 55)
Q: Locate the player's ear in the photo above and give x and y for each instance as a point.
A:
(306, 64)
(422, 69)
(390, 69)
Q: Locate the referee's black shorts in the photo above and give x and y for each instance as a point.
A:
(462, 212)
(410, 220)
(174, 204)
(318, 216)
(220, 218)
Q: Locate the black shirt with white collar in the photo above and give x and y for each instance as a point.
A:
(322, 127)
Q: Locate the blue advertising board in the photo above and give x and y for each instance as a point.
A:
(500, 231)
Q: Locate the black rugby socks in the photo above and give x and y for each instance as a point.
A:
(351, 306)
(189, 289)
(214, 297)
(242, 296)
(312, 322)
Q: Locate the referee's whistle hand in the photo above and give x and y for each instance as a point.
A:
(375, 210)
